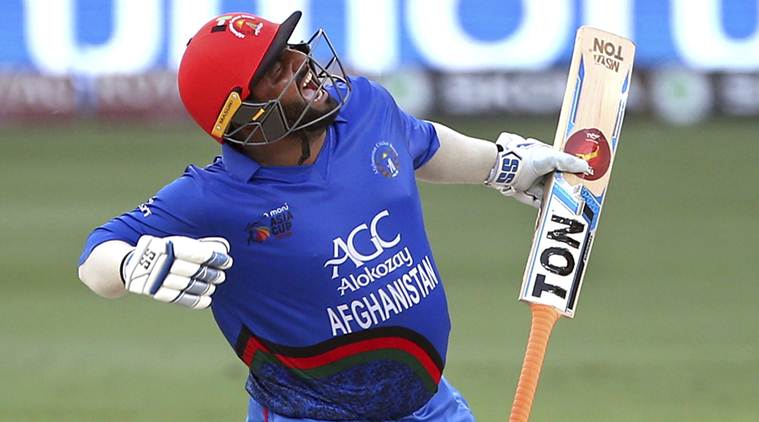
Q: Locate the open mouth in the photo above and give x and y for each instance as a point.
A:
(309, 88)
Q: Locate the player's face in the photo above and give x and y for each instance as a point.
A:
(293, 78)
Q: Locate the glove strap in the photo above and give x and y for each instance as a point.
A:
(124, 262)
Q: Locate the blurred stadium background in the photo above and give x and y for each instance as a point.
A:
(91, 125)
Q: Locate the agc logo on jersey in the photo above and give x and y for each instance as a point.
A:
(370, 249)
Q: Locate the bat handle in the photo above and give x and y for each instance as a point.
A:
(544, 317)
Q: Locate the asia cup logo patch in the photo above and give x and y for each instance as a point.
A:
(591, 146)
(276, 223)
(385, 160)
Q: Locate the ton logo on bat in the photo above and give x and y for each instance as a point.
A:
(607, 54)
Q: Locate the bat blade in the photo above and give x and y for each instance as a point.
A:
(589, 127)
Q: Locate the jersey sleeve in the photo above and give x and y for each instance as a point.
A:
(176, 210)
(420, 136)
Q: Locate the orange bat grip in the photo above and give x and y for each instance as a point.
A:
(544, 317)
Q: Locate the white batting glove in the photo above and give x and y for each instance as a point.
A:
(522, 164)
(177, 269)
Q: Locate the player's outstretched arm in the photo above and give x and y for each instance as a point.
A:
(513, 165)
(459, 159)
(172, 269)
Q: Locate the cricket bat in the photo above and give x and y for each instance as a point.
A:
(589, 127)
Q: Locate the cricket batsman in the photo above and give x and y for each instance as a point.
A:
(305, 236)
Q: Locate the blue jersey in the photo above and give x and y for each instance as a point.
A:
(334, 300)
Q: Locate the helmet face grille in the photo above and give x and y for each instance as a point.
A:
(260, 123)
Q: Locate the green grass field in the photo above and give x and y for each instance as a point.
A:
(666, 328)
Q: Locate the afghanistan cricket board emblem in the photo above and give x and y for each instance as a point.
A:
(385, 160)
(240, 26)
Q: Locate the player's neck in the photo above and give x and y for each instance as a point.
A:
(287, 151)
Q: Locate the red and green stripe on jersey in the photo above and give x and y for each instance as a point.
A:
(329, 357)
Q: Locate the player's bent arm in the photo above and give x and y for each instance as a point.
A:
(174, 269)
(101, 272)
(459, 159)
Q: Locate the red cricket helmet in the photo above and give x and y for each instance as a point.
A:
(220, 62)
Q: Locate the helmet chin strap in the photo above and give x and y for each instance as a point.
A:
(305, 148)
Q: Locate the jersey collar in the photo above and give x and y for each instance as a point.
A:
(238, 164)
(243, 167)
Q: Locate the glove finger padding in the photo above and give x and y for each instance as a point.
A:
(188, 285)
(557, 160)
(533, 196)
(536, 190)
(208, 251)
(541, 159)
(185, 299)
(527, 199)
(198, 272)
